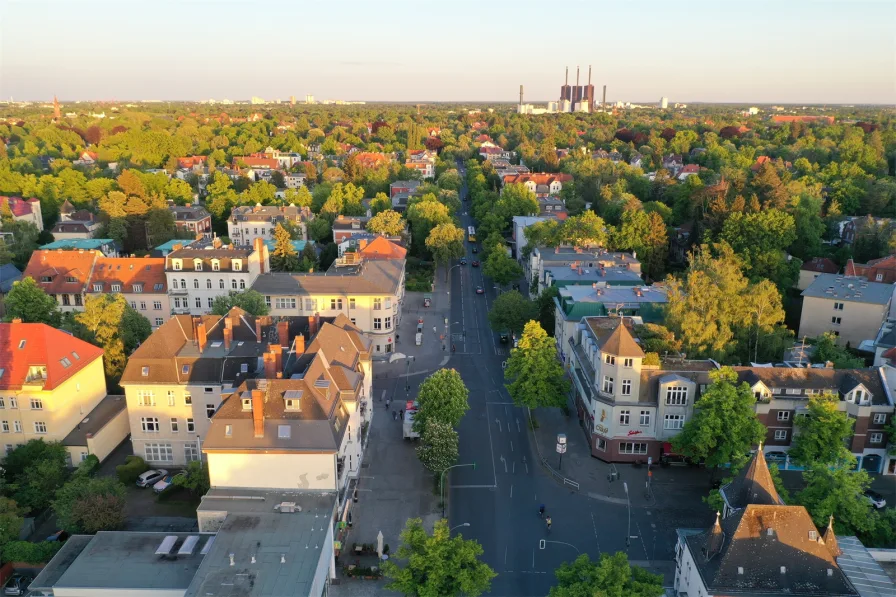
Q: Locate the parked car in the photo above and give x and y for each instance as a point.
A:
(17, 585)
(475, 249)
(151, 477)
(479, 290)
(60, 536)
(876, 499)
(475, 263)
(776, 456)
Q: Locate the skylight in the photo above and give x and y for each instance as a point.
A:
(145, 371)
(185, 369)
(76, 355)
(283, 432)
(21, 344)
(65, 362)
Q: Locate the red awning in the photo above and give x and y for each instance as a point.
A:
(667, 449)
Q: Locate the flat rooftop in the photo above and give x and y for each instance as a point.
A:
(615, 294)
(595, 274)
(849, 289)
(95, 420)
(79, 243)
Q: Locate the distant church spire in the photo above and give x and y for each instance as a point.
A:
(57, 113)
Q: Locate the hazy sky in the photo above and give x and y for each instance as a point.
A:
(380, 50)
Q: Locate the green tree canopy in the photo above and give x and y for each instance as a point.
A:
(609, 576)
(534, 374)
(10, 520)
(438, 448)
(437, 564)
(28, 301)
(510, 312)
(826, 350)
(442, 396)
(823, 433)
(90, 505)
(645, 234)
(445, 242)
(838, 492)
(250, 301)
(110, 322)
(387, 223)
(502, 268)
(284, 258)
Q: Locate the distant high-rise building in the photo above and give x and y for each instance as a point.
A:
(57, 113)
(256, 100)
(309, 99)
(664, 102)
(292, 100)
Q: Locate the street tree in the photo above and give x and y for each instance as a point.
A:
(510, 312)
(380, 203)
(838, 492)
(111, 323)
(438, 448)
(437, 564)
(724, 426)
(387, 223)
(28, 302)
(534, 374)
(90, 505)
(609, 576)
(823, 434)
(517, 200)
(284, 258)
(195, 478)
(445, 242)
(442, 396)
(502, 268)
(250, 301)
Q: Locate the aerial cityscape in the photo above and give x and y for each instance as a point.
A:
(283, 316)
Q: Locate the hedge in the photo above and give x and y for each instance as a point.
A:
(30, 553)
(132, 468)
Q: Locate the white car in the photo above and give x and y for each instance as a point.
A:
(876, 499)
(151, 477)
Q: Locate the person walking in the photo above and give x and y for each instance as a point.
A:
(394, 416)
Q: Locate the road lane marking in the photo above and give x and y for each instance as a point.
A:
(511, 492)
(473, 486)
(594, 525)
(505, 465)
(518, 429)
(498, 422)
(511, 445)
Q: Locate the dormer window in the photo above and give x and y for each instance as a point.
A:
(116, 288)
(216, 265)
(46, 278)
(237, 265)
(137, 287)
(860, 397)
(145, 371)
(177, 264)
(197, 265)
(97, 287)
(247, 403)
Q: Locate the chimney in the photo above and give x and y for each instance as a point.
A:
(201, 338)
(283, 333)
(216, 243)
(277, 351)
(228, 337)
(258, 329)
(17, 320)
(258, 412)
(259, 248)
(270, 365)
(567, 77)
(300, 344)
(521, 95)
(589, 75)
(604, 102)
(312, 326)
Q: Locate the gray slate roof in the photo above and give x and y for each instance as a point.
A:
(377, 277)
(849, 289)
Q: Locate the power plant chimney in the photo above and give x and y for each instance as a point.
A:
(589, 74)
(604, 102)
(567, 76)
(521, 95)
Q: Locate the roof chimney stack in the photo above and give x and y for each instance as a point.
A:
(228, 338)
(277, 351)
(258, 330)
(300, 344)
(258, 412)
(283, 333)
(201, 335)
(270, 365)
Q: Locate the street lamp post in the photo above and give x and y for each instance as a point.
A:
(466, 524)
(628, 500)
(442, 483)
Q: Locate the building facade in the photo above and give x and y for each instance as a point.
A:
(247, 223)
(852, 308)
(192, 218)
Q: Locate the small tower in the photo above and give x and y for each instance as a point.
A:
(57, 113)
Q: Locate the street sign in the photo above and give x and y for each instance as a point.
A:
(649, 460)
(541, 544)
(561, 448)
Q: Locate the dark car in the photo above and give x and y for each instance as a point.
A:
(17, 585)
(475, 263)
(475, 249)
(463, 261)
(479, 290)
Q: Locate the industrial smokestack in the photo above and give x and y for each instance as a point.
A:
(521, 95)
(604, 102)
(567, 76)
(577, 75)
(589, 74)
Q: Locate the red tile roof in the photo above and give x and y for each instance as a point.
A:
(192, 161)
(821, 264)
(371, 160)
(690, 169)
(381, 248)
(27, 344)
(537, 177)
(127, 271)
(60, 266)
(18, 206)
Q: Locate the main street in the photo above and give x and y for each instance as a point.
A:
(499, 498)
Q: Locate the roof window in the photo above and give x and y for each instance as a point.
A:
(283, 432)
(65, 362)
(145, 371)
(21, 344)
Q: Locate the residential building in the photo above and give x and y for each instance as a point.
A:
(814, 267)
(63, 275)
(141, 280)
(850, 307)
(294, 180)
(404, 186)
(86, 158)
(646, 304)
(564, 266)
(491, 153)
(246, 223)
(543, 185)
(688, 170)
(347, 226)
(876, 270)
(24, 210)
(9, 275)
(371, 160)
(552, 207)
(49, 382)
(423, 161)
(193, 218)
(760, 547)
(255, 162)
(106, 246)
(673, 163)
(193, 162)
(518, 234)
(381, 248)
(580, 276)
(197, 275)
(370, 292)
(74, 223)
(852, 227)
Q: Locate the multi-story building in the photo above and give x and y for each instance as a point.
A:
(404, 186)
(192, 218)
(107, 246)
(63, 275)
(347, 226)
(246, 223)
(49, 383)
(540, 183)
(632, 410)
(369, 292)
(74, 223)
(423, 161)
(24, 210)
(876, 270)
(647, 303)
(813, 268)
(565, 266)
(198, 274)
(850, 307)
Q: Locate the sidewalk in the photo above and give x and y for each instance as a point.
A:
(670, 485)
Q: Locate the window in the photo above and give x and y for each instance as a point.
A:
(838, 306)
(188, 400)
(676, 396)
(780, 434)
(247, 404)
(198, 303)
(336, 303)
(196, 283)
(632, 448)
(2, 402)
(601, 444)
(388, 303)
(626, 387)
(177, 302)
(143, 305)
(608, 384)
(880, 418)
(176, 264)
(242, 284)
(134, 305)
(66, 302)
(221, 283)
(197, 265)
(858, 396)
(628, 363)
(354, 321)
(377, 323)
(836, 333)
(836, 320)
(351, 303)
(116, 288)
(233, 284)
(97, 287)
(146, 398)
(157, 305)
(283, 431)
(377, 304)
(208, 283)
(609, 359)
(170, 397)
(624, 417)
(267, 301)
(13, 403)
(191, 425)
(17, 426)
(285, 303)
(292, 404)
(216, 265)
(388, 323)
(310, 304)
(208, 390)
(209, 410)
(40, 427)
(645, 418)
(84, 456)
(237, 265)
(5, 426)
(174, 425)
(673, 422)
(877, 438)
(78, 300)
(783, 415)
(159, 452)
(150, 424)
(228, 430)
(211, 302)
(37, 404)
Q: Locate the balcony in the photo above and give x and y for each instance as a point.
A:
(584, 372)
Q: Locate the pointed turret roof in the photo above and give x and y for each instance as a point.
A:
(830, 539)
(753, 485)
(715, 540)
(66, 207)
(621, 343)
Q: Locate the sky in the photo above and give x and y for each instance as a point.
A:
(784, 51)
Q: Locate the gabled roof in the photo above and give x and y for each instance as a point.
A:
(823, 265)
(129, 271)
(537, 178)
(60, 266)
(18, 206)
(753, 485)
(381, 248)
(28, 344)
(613, 336)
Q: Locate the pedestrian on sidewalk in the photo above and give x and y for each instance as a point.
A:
(394, 416)
(401, 415)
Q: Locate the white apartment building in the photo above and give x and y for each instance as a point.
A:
(246, 223)
(196, 275)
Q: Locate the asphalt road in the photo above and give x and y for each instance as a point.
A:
(499, 498)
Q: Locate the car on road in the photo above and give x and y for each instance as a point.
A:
(504, 336)
(463, 261)
(151, 477)
(475, 250)
(475, 263)
(876, 499)
(776, 456)
(479, 290)
(17, 585)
